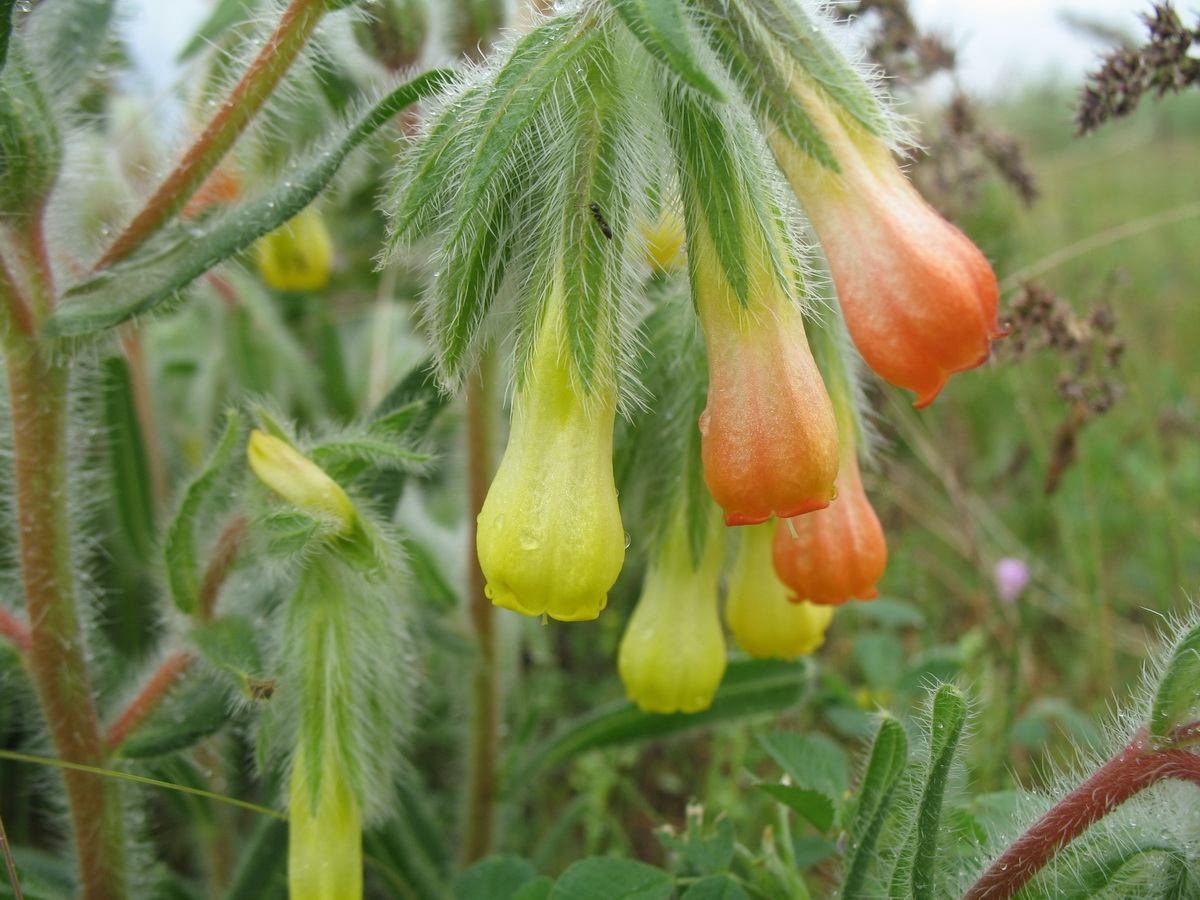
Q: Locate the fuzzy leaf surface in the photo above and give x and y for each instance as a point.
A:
(67, 38)
(947, 720)
(662, 29)
(885, 766)
(170, 263)
(740, 46)
(1176, 700)
(179, 545)
(197, 710)
(807, 44)
(133, 495)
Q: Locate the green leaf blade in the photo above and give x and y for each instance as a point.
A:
(179, 545)
(169, 264)
(885, 766)
(661, 28)
(609, 878)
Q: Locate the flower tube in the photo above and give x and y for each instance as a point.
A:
(919, 298)
(758, 609)
(769, 442)
(549, 537)
(672, 655)
(324, 834)
(834, 554)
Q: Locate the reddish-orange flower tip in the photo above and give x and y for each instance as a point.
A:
(837, 553)
(919, 298)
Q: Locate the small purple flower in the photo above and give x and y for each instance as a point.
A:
(1012, 577)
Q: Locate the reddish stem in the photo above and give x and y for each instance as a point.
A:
(164, 678)
(1131, 771)
(227, 549)
(12, 628)
(247, 97)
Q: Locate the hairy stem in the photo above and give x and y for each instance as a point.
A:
(165, 677)
(37, 384)
(243, 103)
(1135, 768)
(479, 818)
(229, 545)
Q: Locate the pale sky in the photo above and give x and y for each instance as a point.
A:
(1002, 42)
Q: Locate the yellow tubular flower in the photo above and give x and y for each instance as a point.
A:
(763, 620)
(550, 538)
(672, 656)
(298, 479)
(325, 840)
(298, 255)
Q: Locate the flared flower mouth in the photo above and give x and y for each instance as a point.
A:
(672, 656)
(919, 298)
(769, 439)
(836, 554)
(764, 620)
(549, 537)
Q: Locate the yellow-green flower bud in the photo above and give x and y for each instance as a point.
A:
(764, 620)
(298, 479)
(672, 656)
(298, 255)
(550, 538)
(324, 836)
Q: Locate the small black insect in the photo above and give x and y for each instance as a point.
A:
(599, 217)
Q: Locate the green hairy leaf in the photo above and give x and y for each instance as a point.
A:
(662, 29)
(66, 39)
(195, 710)
(885, 766)
(133, 494)
(1176, 701)
(175, 259)
(6, 16)
(746, 52)
(179, 545)
(947, 720)
(806, 42)
(231, 644)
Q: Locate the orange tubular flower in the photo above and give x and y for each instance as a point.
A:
(837, 553)
(769, 439)
(763, 622)
(919, 298)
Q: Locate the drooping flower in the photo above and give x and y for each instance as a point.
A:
(297, 479)
(550, 538)
(324, 835)
(919, 298)
(837, 553)
(764, 621)
(672, 655)
(770, 441)
(298, 255)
